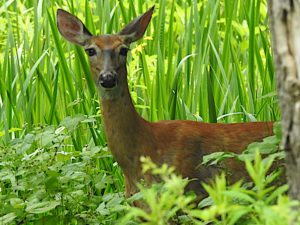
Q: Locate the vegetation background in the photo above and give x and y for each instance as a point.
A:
(203, 60)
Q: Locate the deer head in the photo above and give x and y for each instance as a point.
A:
(107, 53)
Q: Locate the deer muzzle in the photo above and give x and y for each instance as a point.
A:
(108, 79)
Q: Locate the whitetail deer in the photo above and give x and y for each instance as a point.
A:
(178, 143)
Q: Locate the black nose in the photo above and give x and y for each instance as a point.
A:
(108, 80)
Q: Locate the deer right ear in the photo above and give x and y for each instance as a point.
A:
(71, 28)
(137, 27)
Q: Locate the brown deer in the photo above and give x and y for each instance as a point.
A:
(178, 143)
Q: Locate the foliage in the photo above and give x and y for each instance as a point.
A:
(260, 205)
(163, 200)
(43, 183)
(269, 147)
(263, 204)
(204, 60)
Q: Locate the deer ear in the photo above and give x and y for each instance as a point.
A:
(137, 27)
(71, 28)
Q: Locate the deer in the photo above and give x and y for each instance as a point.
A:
(177, 143)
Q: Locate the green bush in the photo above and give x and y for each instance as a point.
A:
(228, 205)
(41, 183)
(262, 201)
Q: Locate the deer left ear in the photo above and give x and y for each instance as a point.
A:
(72, 29)
(137, 27)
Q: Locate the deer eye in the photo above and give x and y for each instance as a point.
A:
(90, 51)
(123, 51)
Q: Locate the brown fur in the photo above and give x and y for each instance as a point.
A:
(107, 41)
(178, 143)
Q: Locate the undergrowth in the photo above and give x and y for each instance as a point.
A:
(43, 184)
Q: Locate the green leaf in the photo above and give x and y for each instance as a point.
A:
(206, 202)
(102, 209)
(216, 157)
(240, 195)
(51, 180)
(237, 214)
(8, 218)
(136, 196)
(102, 181)
(42, 207)
(72, 122)
(29, 138)
(2, 133)
(47, 138)
(264, 147)
(277, 192)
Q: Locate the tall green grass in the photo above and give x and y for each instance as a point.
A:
(203, 60)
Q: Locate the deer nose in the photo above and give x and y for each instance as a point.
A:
(108, 80)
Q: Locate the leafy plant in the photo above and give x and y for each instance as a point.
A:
(269, 147)
(235, 204)
(41, 182)
(162, 200)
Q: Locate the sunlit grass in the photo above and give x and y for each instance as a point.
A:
(205, 60)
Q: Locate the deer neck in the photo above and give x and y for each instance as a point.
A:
(120, 113)
(123, 125)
